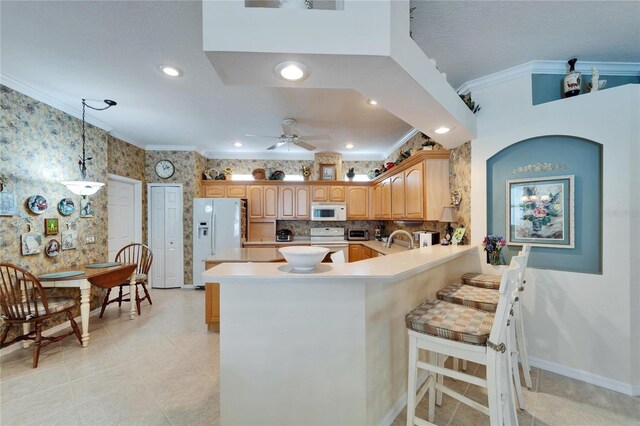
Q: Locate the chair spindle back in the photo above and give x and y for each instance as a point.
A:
(21, 294)
(138, 254)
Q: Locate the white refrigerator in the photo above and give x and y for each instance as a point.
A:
(217, 225)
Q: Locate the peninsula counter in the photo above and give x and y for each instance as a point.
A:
(326, 347)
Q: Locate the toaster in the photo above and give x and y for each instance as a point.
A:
(358, 235)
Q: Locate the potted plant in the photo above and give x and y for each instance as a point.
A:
(351, 173)
(428, 144)
(306, 172)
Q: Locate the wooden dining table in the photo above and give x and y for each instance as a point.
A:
(82, 283)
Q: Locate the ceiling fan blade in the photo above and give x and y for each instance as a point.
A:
(303, 144)
(261, 136)
(315, 137)
(279, 144)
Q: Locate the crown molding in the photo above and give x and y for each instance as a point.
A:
(550, 67)
(411, 133)
(45, 98)
(267, 155)
(170, 148)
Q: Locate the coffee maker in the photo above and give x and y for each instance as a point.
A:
(379, 230)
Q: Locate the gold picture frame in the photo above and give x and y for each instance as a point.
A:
(327, 171)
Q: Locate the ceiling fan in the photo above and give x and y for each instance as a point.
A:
(290, 135)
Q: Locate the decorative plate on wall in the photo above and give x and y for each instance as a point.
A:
(37, 204)
(52, 248)
(66, 206)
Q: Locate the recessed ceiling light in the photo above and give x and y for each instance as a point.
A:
(238, 144)
(171, 71)
(349, 146)
(291, 71)
(442, 130)
(372, 102)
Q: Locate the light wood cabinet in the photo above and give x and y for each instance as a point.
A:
(303, 199)
(397, 196)
(236, 191)
(376, 202)
(436, 188)
(293, 202)
(214, 192)
(414, 196)
(262, 230)
(263, 201)
(328, 193)
(359, 252)
(212, 302)
(386, 198)
(357, 203)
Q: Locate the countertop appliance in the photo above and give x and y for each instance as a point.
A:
(218, 224)
(329, 212)
(357, 235)
(427, 238)
(331, 238)
(284, 235)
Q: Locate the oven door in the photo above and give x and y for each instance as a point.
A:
(333, 248)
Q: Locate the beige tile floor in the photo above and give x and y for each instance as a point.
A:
(159, 369)
(162, 369)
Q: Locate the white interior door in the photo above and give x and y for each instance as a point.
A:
(165, 236)
(121, 207)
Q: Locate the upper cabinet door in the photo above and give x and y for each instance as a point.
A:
(302, 202)
(271, 202)
(386, 198)
(256, 203)
(336, 193)
(414, 192)
(358, 203)
(287, 202)
(320, 193)
(236, 191)
(377, 201)
(437, 188)
(397, 196)
(214, 191)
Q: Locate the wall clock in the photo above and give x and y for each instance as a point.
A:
(165, 169)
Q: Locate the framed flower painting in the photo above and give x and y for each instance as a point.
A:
(540, 211)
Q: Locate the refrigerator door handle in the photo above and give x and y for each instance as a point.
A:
(213, 232)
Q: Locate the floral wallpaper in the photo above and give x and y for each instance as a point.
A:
(39, 147)
(289, 167)
(460, 180)
(128, 160)
(327, 158)
(200, 166)
(185, 171)
(414, 142)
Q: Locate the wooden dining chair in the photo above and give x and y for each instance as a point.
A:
(24, 301)
(140, 255)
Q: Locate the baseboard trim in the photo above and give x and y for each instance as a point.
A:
(49, 331)
(391, 415)
(585, 376)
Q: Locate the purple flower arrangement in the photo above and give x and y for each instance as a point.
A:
(493, 245)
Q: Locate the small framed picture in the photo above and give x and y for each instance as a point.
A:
(31, 242)
(7, 204)
(327, 172)
(86, 208)
(457, 236)
(52, 249)
(51, 227)
(69, 239)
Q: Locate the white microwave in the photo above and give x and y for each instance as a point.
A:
(328, 212)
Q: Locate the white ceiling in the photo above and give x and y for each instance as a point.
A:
(111, 49)
(472, 39)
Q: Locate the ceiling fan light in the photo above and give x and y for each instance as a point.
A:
(349, 146)
(291, 71)
(372, 102)
(237, 144)
(82, 187)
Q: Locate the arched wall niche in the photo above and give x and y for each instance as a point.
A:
(549, 156)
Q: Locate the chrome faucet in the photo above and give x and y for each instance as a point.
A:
(399, 231)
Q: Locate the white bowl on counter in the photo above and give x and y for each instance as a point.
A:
(304, 258)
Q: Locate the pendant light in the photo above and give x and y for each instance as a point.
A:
(84, 187)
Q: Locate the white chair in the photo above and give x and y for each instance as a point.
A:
(490, 281)
(338, 257)
(447, 329)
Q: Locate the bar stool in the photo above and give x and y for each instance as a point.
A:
(449, 329)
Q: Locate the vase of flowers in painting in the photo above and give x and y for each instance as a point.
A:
(493, 246)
